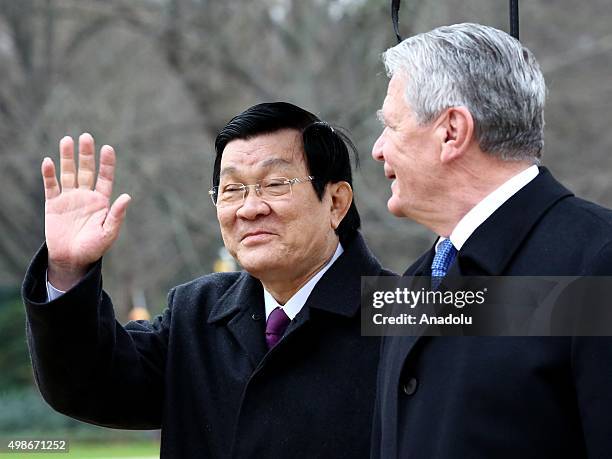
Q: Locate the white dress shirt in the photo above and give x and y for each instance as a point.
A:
(298, 300)
(485, 208)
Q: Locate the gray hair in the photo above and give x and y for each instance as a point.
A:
(484, 69)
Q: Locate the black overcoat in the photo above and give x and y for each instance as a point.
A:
(506, 397)
(201, 371)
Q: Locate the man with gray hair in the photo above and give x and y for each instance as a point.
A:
(463, 135)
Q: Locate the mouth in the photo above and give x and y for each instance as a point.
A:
(256, 235)
(389, 174)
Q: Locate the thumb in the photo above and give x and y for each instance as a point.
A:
(116, 215)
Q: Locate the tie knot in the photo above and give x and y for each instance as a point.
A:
(445, 255)
(275, 326)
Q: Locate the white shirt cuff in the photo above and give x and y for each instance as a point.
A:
(52, 292)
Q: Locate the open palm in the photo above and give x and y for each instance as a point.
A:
(80, 223)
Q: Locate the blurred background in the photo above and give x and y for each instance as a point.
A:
(157, 79)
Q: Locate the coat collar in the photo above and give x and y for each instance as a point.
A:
(339, 290)
(490, 248)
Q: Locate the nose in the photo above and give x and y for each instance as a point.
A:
(252, 207)
(377, 149)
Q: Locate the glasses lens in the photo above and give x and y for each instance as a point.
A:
(275, 187)
(230, 193)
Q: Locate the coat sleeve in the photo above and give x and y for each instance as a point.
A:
(592, 364)
(86, 364)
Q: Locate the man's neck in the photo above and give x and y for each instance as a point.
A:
(282, 289)
(471, 182)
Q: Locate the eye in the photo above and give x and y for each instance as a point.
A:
(275, 182)
(232, 188)
(276, 186)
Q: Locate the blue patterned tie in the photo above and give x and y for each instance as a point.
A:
(442, 260)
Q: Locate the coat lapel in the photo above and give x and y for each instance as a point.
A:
(241, 310)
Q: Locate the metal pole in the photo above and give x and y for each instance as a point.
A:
(514, 18)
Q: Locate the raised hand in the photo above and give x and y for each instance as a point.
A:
(80, 223)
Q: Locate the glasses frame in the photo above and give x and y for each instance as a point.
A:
(257, 186)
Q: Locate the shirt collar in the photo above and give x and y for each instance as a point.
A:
(485, 208)
(295, 304)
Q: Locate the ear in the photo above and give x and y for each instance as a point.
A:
(341, 195)
(455, 128)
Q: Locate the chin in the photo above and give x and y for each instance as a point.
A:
(258, 264)
(394, 206)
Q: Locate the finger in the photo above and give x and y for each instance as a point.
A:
(87, 161)
(47, 169)
(116, 215)
(104, 184)
(67, 167)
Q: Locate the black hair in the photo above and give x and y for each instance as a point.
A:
(326, 149)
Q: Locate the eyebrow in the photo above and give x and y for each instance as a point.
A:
(227, 170)
(381, 117)
(267, 164)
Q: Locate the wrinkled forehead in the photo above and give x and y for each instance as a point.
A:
(279, 152)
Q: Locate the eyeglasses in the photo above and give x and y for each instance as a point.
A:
(268, 189)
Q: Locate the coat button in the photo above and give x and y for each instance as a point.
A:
(410, 386)
(255, 316)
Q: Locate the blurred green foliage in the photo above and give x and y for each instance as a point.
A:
(15, 371)
(24, 411)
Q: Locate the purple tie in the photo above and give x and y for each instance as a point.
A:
(276, 326)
